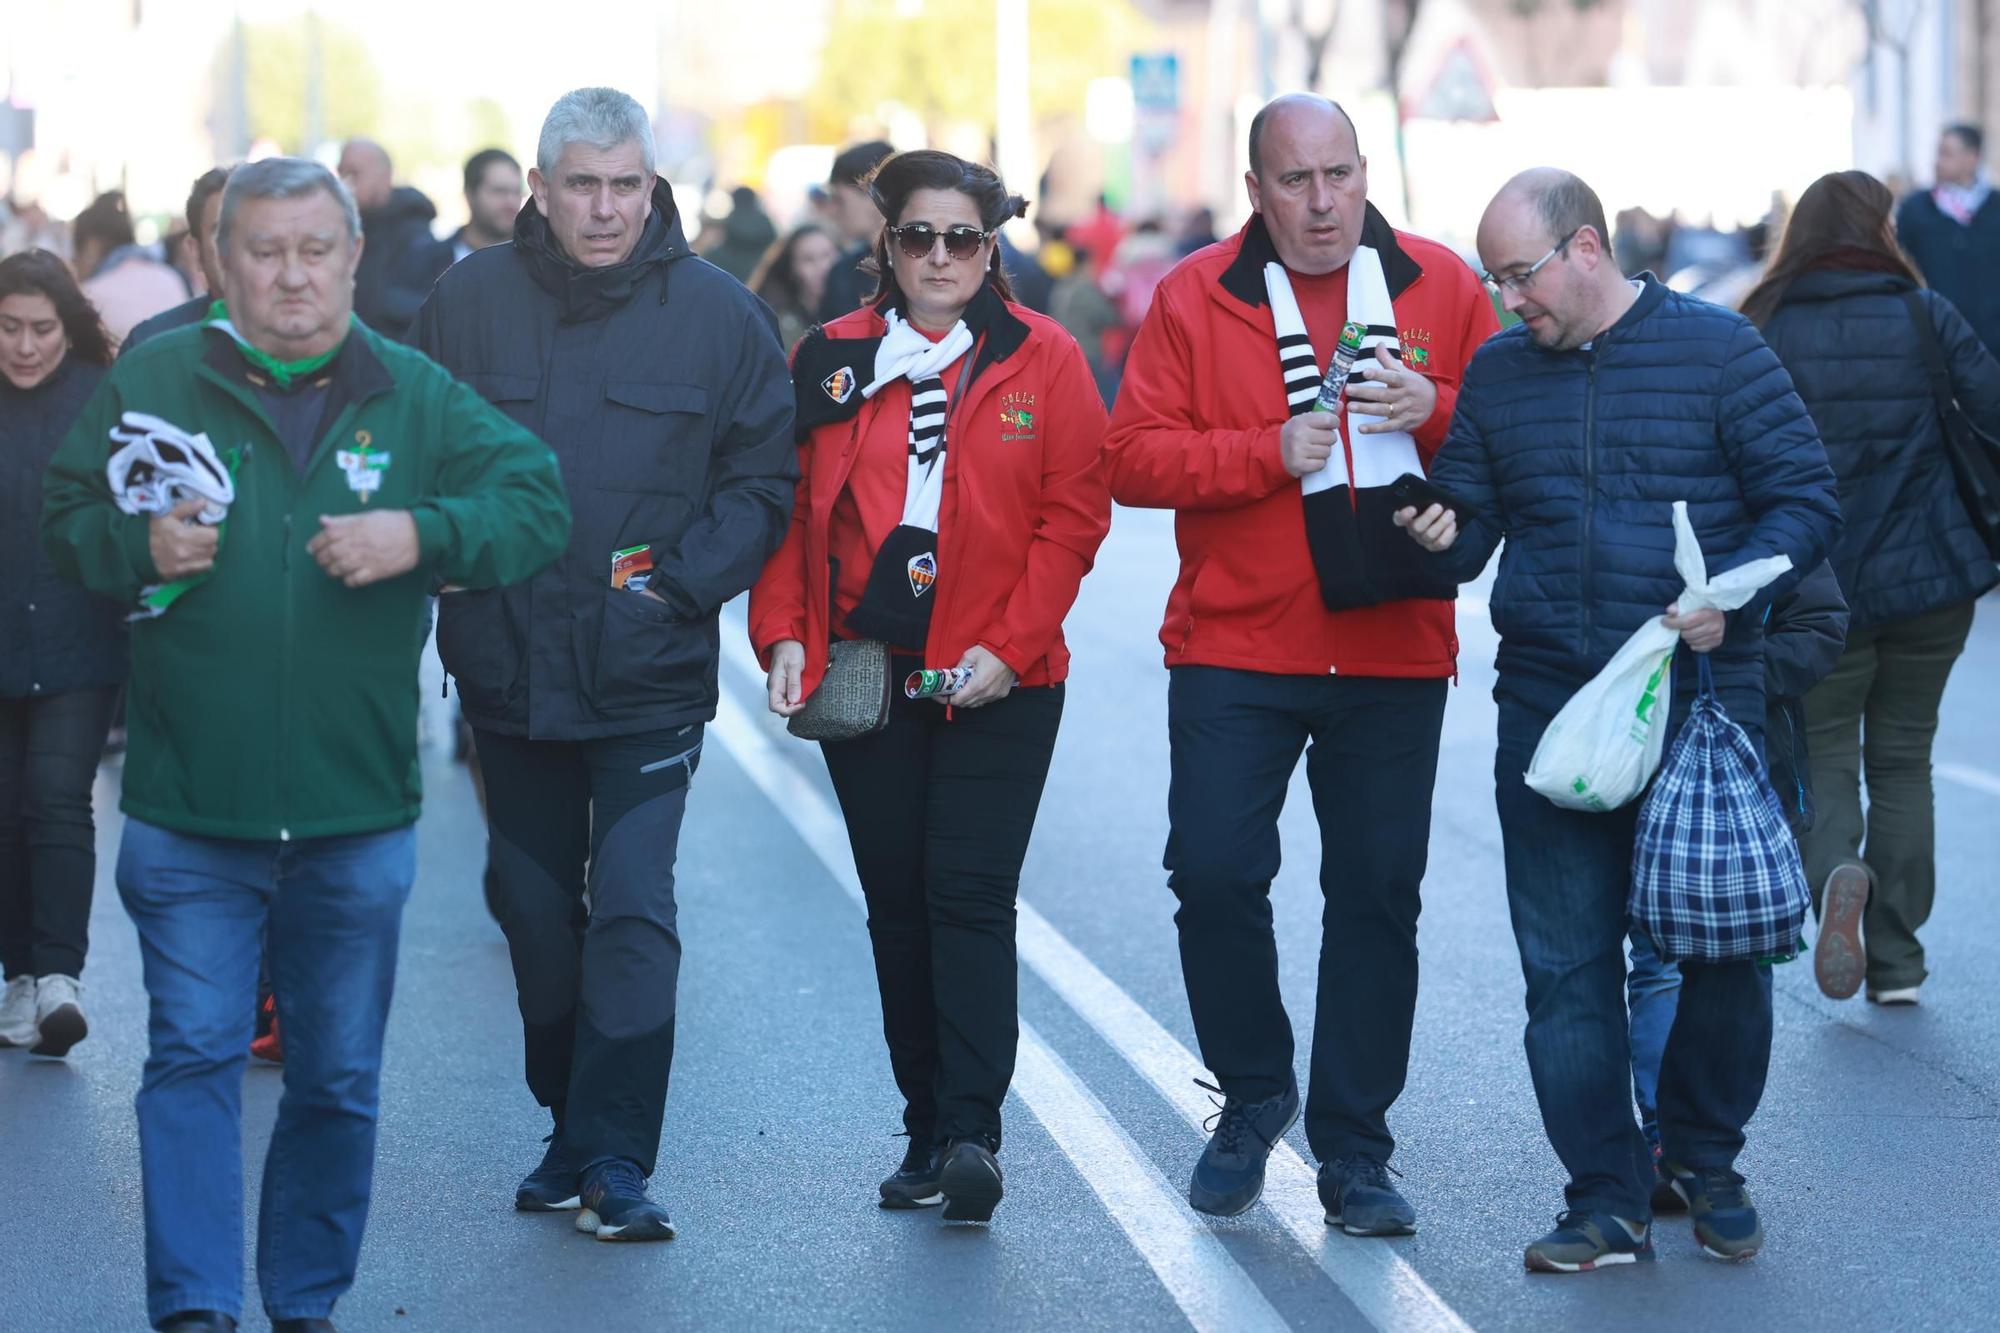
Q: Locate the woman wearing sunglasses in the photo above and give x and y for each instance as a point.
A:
(950, 503)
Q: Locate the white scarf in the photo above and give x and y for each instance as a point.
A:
(1378, 459)
(905, 353)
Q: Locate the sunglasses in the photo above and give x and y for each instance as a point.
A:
(917, 239)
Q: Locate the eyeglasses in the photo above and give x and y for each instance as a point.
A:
(1520, 282)
(917, 239)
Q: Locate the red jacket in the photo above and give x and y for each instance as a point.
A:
(1196, 431)
(1024, 508)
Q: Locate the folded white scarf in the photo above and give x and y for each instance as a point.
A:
(905, 353)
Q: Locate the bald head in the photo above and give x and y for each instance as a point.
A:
(1547, 251)
(1306, 107)
(370, 176)
(1308, 181)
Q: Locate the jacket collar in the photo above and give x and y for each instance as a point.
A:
(352, 377)
(827, 371)
(584, 293)
(1244, 278)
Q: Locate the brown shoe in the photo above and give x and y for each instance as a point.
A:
(1839, 964)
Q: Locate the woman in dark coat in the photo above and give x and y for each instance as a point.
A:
(1839, 307)
(62, 661)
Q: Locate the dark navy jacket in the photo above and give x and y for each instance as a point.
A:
(1906, 545)
(54, 636)
(1576, 458)
(1960, 260)
(660, 385)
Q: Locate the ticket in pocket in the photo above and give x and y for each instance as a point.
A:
(632, 568)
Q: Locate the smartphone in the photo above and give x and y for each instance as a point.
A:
(1411, 491)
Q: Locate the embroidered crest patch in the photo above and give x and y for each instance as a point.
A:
(923, 573)
(839, 386)
(1017, 417)
(364, 465)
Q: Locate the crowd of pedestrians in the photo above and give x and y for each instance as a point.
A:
(568, 434)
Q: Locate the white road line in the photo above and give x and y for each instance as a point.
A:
(1967, 776)
(1190, 1262)
(1381, 1283)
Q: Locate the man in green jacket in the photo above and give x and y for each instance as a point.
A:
(271, 780)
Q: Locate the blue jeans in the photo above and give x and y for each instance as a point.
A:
(1568, 877)
(1652, 994)
(329, 910)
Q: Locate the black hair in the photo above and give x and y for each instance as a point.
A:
(206, 186)
(105, 221)
(1970, 135)
(904, 174)
(859, 161)
(480, 162)
(42, 274)
(1257, 127)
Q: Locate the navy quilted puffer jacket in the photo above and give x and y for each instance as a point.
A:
(1576, 458)
(1906, 545)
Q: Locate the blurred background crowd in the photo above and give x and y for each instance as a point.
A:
(1123, 120)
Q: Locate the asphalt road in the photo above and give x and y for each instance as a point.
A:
(1872, 1157)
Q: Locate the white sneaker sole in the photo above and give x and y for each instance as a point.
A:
(588, 1221)
(1538, 1263)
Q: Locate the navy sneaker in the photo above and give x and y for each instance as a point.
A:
(970, 1181)
(1230, 1175)
(1725, 1221)
(1360, 1200)
(915, 1182)
(553, 1186)
(1585, 1241)
(615, 1206)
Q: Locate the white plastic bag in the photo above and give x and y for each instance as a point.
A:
(1604, 746)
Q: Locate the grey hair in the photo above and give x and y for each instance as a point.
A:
(601, 117)
(282, 178)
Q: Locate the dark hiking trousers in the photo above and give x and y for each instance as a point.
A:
(581, 839)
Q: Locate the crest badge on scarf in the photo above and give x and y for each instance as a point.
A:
(364, 465)
(923, 573)
(839, 386)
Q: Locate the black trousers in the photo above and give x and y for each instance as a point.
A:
(939, 809)
(581, 838)
(49, 751)
(1236, 737)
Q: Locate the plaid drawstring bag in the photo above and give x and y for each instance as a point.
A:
(1716, 874)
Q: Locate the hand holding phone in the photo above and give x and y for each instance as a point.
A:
(1411, 491)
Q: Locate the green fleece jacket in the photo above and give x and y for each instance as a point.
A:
(271, 701)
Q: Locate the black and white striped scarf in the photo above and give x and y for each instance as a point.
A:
(1357, 552)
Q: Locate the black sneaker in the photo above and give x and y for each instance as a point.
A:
(615, 1206)
(1360, 1200)
(1725, 1221)
(198, 1321)
(1584, 1242)
(915, 1182)
(1230, 1175)
(970, 1181)
(553, 1186)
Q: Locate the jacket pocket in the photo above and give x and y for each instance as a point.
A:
(477, 643)
(654, 438)
(513, 394)
(648, 661)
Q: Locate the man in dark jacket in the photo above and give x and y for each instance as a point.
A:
(1575, 433)
(659, 382)
(401, 258)
(204, 206)
(854, 212)
(1952, 230)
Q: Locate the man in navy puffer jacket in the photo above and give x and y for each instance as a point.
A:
(1574, 435)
